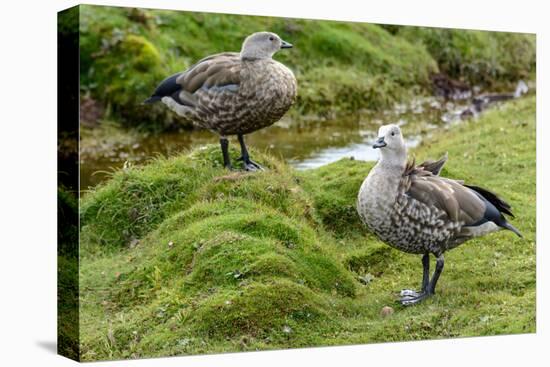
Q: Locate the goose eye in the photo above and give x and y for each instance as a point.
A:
(271, 38)
(392, 133)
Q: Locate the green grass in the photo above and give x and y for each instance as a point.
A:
(479, 57)
(182, 257)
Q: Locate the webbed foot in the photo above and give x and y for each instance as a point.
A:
(410, 297)
(250, 165)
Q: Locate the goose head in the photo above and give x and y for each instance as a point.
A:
(391, 144)
(262, 45)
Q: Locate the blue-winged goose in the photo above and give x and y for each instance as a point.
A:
(233, 93)
(415, 210)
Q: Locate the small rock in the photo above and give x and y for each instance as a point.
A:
(287, 329)
(386, 311)
(170, 244)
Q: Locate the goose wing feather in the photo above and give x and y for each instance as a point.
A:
(220, 70)
(457, 202)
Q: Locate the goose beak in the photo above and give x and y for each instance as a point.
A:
(285, 44)
(380, 143)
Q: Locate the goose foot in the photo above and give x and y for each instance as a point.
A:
(410, 297)
(250, 165)
(409, 293)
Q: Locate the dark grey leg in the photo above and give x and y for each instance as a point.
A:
(225, 152)
(428, 287)
(249, 165)
(425, 279)
(440, 262)
(426, 273)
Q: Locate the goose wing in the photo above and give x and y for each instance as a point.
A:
(220, 71)
(456, 202)
(452, 200)
(216, 72)
(434, 167)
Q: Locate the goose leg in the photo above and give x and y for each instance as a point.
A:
(249, 165)
(439, 263)
(408, 293)
(428, 287)
(426, 273)
(224, 143)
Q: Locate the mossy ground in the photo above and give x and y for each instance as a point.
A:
(182, 257)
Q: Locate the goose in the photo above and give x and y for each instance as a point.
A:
(233, 93)
(413, 209)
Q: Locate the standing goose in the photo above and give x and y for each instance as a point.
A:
(233, 93)
(415, 210)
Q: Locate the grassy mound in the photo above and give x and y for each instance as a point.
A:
(205, 252)
(182, 257)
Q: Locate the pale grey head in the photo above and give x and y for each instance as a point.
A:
(262, 45)
(392, 145)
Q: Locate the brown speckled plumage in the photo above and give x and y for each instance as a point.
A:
(413, 209)
(266, 90)
(233, 93)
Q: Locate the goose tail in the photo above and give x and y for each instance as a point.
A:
(168, 87)
(152, 99)
(510, 227)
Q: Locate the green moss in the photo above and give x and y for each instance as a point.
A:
(329, 90)
(258, 309)
(225, 261)
(374, 258)
(143, 53)
(334, 189)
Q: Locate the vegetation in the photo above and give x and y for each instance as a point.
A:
(341, 67)
(181, 256)
(478, 57)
